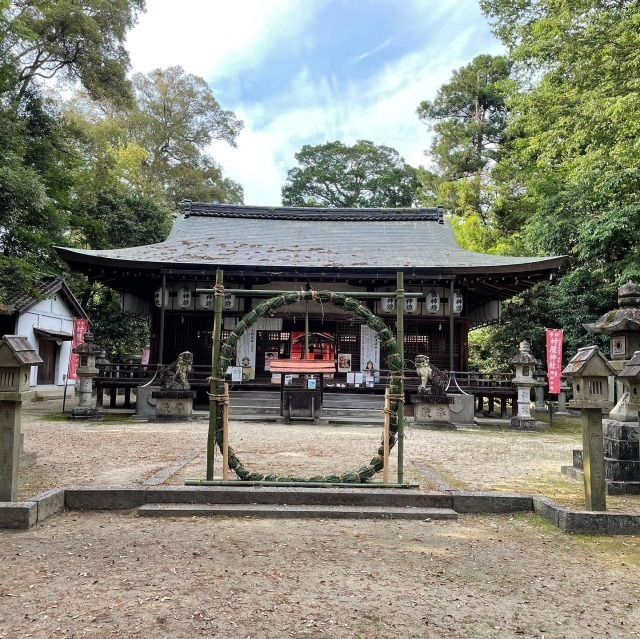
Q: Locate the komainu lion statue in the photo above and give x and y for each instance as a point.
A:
(174, 376)
(432, 379)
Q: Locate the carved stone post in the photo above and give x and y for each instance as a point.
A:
(590, 371)
(17, 356)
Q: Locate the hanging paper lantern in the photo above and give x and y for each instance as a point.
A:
(183, 298)
(157, 295)
(388, 304)
(228, 302)
(457, 302)
(410, 305)
(206, 301)
(433, 302)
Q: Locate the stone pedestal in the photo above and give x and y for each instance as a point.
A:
(562, 401)
(26, 459)
(461, 410)
(173, 404)
(539, 395)
(145, 403)
(523, 420)
(621, 456)
(432, 411)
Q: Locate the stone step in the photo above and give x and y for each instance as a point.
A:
(235, 411)
(357, 495)
(281, 511)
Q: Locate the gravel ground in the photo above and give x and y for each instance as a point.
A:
(82, 574)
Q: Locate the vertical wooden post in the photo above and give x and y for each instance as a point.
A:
(10, 418)
(451, 324)
(215, 386)
(306, 330)
(163, 286)
(400, 339)
(225, 434)
(595, 485)
(385, 468)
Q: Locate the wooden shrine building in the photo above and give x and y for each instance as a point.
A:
(326, 249)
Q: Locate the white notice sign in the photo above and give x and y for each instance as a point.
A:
(369, 349)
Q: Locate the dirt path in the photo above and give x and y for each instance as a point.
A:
(116, 575)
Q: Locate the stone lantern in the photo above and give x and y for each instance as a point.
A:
(631, 375)
(590, 372)
(524, 379)
(86, 371)
(540, 376)
(17, 356)
(623, 327)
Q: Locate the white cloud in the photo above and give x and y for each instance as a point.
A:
(308, 110)
(211, 39)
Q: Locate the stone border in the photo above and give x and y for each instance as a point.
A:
(26, 514)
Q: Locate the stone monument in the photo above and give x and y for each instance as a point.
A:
(174, 400)
(431, 402)
(525, 364)
(17, 356)
(620, 429)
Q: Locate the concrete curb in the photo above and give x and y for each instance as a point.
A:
(24, 515)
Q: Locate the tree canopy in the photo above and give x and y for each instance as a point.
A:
(105, 169)
(80, 40)
(362, 175)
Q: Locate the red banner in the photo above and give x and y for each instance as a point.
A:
(554, 359)
(79, 329)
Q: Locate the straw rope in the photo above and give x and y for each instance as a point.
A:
(350, 306)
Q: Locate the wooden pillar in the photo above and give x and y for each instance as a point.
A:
(400, 338)
(595, 485)
(163, 285)
(215, 386)
(451, 325)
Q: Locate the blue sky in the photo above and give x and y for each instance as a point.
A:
(310, 71)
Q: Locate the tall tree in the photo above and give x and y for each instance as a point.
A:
(79, 40)
(159, 146)
(337, 175)
(573, 164)
(468, 117)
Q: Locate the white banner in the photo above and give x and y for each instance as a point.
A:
(246, 352)
(369, 349)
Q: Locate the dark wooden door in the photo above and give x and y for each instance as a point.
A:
(47, 371)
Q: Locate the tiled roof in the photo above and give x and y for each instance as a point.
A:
(248, 236)
(44, 288)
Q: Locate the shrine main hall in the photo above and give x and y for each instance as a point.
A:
(335, 249)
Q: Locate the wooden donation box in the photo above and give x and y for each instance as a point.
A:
(301, 386)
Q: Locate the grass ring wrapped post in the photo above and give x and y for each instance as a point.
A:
(350, 306)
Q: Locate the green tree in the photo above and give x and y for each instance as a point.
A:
(468, 117)
(159, 146)
(337, 175)
(573, 162)
(35, 165)
(78, 40)
(117, 219)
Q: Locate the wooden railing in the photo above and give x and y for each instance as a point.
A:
(124, 375)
